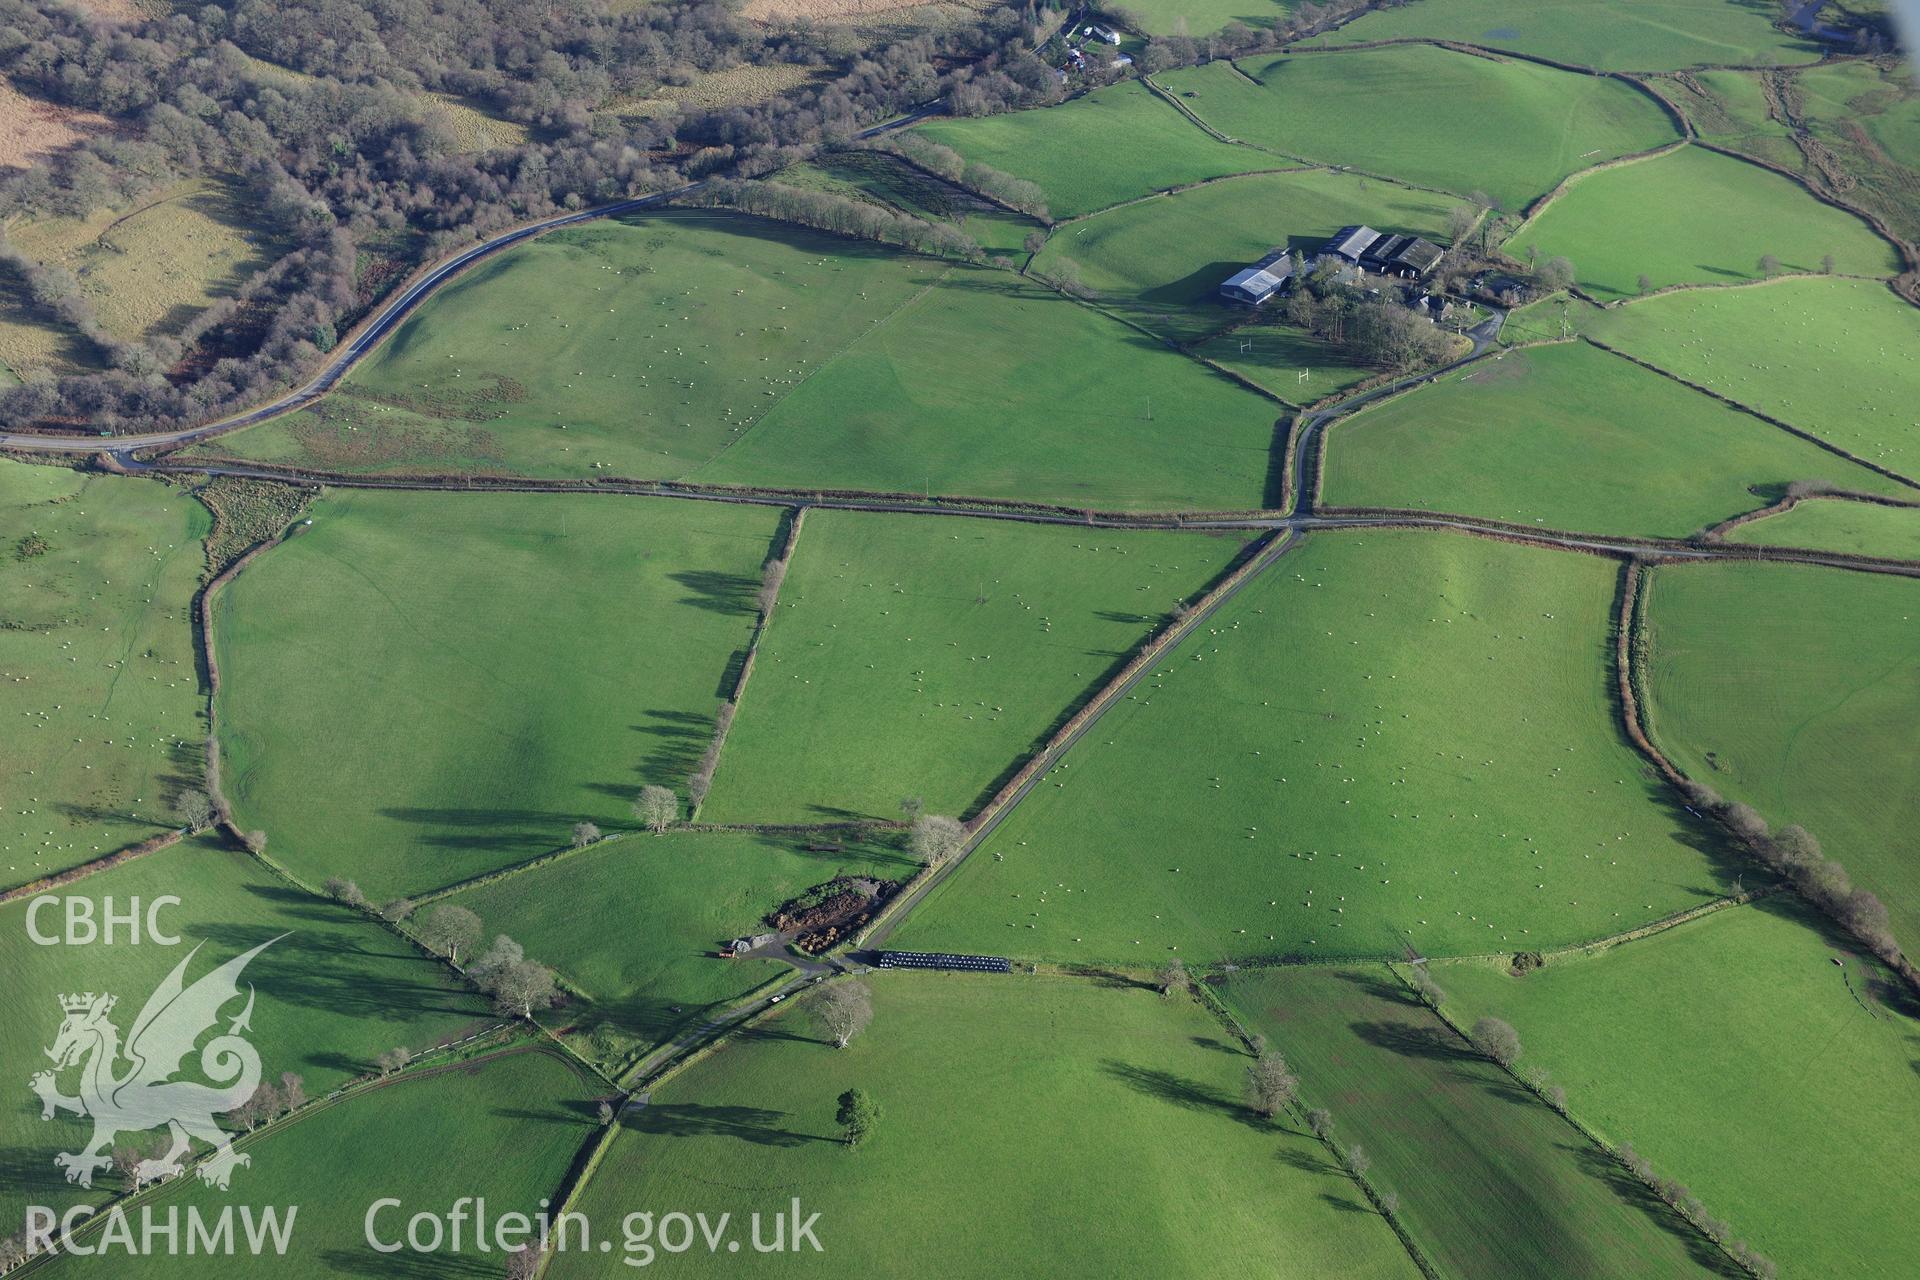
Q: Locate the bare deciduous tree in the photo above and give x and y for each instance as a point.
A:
(126, 1162)
(1174, 980)
(770, 580)
(194, 809)
(523, 1263)
(1425, 989)
(935, 839)
(656, 808)
(12, 1253)
(447, 929)
(845, 1009)
(262, 1105)
(584, 834)
(392, 1060)
(517, 984)
(1497, 1039)
(1271, 1084)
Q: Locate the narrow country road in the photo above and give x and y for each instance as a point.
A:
(1313, 426)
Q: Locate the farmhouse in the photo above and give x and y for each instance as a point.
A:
(1409, 257)
(1260, 281)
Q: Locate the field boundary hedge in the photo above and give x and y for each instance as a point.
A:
(203, 635)
(59, 879)
(1632, 651)
(775, 577)
(1181, 188)
(1541, 203)
(1148, 652)
(1194, 119)
(1535, 1084)
(1719, 531)
(1259, 554)
(1225, 1015)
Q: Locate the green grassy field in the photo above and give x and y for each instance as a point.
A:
(633, 925)
(1796, 690)
(1161, 262)
(1437, 1117)
(1614, 35)
(1735, 1056)
(641, 347)
(333, 994)
(989, 387)
(505, 1129)
(1204, 17)
(422, 688)
(98, 687)
(1386, 739)
(928, 657)
(1097, 150)
(1821, 354)
(1859, 528)
(1723, 216)
(1013, 1107)
(1572, 437)
(1428, 116)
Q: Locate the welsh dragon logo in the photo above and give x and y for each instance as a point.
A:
(130, 1088)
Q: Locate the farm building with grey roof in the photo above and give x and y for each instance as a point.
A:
(1260, 281)
(1409, 257)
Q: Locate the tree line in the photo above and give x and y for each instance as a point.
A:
(1794, 854)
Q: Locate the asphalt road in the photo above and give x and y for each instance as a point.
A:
(1483, 336)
